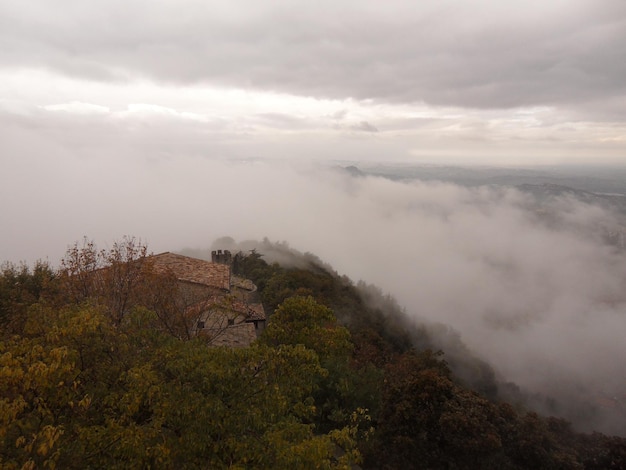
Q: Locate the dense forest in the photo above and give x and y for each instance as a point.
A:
(95, 373)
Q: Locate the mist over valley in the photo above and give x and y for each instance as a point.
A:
(530, 277)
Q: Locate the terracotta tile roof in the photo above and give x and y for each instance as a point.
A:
(193, 270)
(242, 283)
(249, 311)
(256, 312)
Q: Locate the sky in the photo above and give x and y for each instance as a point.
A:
(179, 122)
(507, 83)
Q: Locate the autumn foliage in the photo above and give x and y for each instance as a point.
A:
(99, 369)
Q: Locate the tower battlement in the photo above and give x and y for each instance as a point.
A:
(222, 257)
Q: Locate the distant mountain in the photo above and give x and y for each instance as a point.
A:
(613, 231)
(597, 180)
(600, 187)
(548, 191)
(352, 170)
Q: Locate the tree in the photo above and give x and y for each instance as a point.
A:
(21, 287)
(416, 389)
(111, 277)
(78, 391)
(123, 278)
(301, 320)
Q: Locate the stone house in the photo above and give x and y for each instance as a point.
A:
(223, 308)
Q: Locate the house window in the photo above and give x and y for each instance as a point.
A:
(200, 325)
(231, 321)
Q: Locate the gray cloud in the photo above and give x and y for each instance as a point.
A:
(364, 126)
(483, 54)
(281, 120)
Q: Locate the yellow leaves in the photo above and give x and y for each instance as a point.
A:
(36, 377)
(29, 465)
(305, 408)
(10, 368)
(302, 320)
(81, 388)
(81, 405)
(41, 449)
(85, 402)
(26, 367)
(143, 389)
(345, 439)
(9, 411)
(293, 445)
(48, 437)
(29, 375)
(73, 324)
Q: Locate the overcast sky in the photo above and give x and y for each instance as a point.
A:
(431, 81)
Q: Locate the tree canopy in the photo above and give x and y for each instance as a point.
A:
(96, 371)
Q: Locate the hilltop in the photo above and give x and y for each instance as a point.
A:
(341, 377)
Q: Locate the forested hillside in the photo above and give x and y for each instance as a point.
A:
(94, 375)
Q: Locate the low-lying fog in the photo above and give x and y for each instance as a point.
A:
(532, 289)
